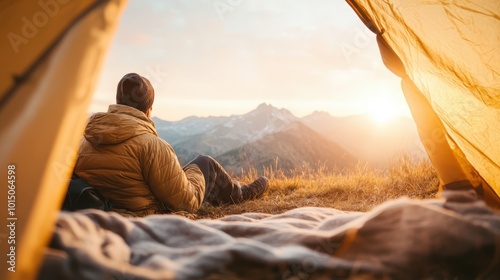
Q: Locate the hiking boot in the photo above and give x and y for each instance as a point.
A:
(255, 189)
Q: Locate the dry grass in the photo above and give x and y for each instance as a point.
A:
(357, 190)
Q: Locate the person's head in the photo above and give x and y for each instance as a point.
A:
(135, 91)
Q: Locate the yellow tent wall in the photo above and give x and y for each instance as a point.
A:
(450, 56)
(51, 58)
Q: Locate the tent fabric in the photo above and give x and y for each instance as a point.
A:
(31, 29)
(49, 80)
(451, 52)
(402, 239)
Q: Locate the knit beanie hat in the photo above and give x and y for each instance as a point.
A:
(135, 91)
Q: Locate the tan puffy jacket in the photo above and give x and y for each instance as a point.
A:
(123, 157)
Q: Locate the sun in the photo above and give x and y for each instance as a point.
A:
(382, 112)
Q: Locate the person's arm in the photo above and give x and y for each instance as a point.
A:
(166, 179)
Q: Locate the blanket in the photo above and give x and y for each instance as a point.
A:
(457, 237)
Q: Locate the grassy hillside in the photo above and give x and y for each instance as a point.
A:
(358, 190)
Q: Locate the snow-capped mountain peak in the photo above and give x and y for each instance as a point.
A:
(237, 129)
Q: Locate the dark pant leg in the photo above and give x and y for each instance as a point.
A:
(219, 187)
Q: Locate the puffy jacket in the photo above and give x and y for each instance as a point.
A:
(123, 157)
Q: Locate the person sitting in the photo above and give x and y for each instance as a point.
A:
(122, 156)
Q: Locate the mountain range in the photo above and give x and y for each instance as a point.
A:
(268, 136)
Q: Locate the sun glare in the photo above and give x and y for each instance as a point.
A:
(381, 112)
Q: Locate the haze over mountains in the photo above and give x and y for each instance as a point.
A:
(268, 136)
(366, 139)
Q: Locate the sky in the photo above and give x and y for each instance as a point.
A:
(224, 57)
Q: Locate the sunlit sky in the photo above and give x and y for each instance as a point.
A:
(217, 58)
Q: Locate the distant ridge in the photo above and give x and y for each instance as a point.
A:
(216, 135)
(257, 138)
(286, 150)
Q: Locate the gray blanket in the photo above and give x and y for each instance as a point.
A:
(455, 238)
